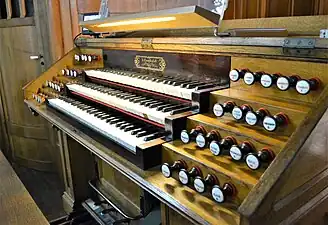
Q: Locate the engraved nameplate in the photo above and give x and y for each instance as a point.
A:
(152, 63)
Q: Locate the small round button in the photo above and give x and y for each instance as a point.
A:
(269, 123)
(183, 177)
(234, 75)
(201, 141)
(218, 110)
(166, 171)
(303, 87)
(217, 194)
(252, 162)
(235, 153)
(199, 185)
(215, 148)
(184, 136)
(266, 80)
(237, 113)
(251, 118)
(283, 83)
(249, 78)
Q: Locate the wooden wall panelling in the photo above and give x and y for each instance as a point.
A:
(55, 31)
(320, 7)
(74, 18)
(87, 6)
(66, 20)
(28, 135)
(9, 9)
(22, 9)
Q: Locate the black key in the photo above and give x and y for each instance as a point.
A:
(159, 108)
(170, 108)
(101, 114)
(129, 128)
(111, 118)
(204, 86)
(185, 109)
(157, 104)
(134, 132)
(143, 133)
(145, 101)
(106, 116)
(147, 104)
(115, 121)
(137, 100)
(120, 123)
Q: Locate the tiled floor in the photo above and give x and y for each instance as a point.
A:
(45, 188)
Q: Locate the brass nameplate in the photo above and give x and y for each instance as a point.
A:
(152, 63)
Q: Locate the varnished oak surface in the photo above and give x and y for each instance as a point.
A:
(16, 205)
(151, 180)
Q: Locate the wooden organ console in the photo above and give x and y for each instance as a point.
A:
(214, 133)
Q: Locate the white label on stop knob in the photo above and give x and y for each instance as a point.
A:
(166, 171)
(251, 118)
(234, 75)
(303, 87)
(218, 110)
(249, 78)
(200, 141)
(283, 83)
(269, 123)
(217, 195)
(199, 185)
(89, 58)
(183, 177)
(237, 113)
(184, 136)
(235, 153)
(266, 80)
(252, 162)
(215, 148)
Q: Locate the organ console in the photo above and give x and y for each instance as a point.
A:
(219, 130)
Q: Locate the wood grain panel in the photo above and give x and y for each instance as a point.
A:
(16, 49)
(87, 6)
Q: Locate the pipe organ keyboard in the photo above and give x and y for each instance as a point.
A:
(222, 138)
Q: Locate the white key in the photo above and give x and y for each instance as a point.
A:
(176, 91)
(120, 136)
(135, 108)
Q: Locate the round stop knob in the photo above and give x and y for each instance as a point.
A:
(252, 118)
(305, 86)
(284, 82)
(220, 194)
(254, 160)
(267, 80)
(203, 141)
(236, 74)
(250, 78)
(167, 169)
(220, 109)
(217, 147)
(238, 113)
(271, 123)
(186, 137)
(202, 184)
(186, 176)
(237, 152)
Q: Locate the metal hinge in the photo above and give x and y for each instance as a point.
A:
(147, 43)
(299, 46)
